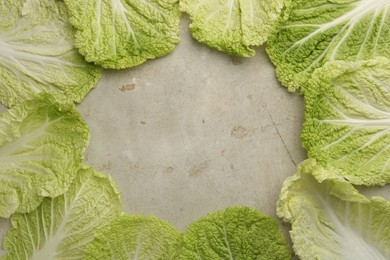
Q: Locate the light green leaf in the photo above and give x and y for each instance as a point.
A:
(233, 26)
(37, 53)
(41, 148)
(134, 237)
(330, 219)
(318, 31)
(234, 233)
(348, 119)
(60, 228)
(122, 33)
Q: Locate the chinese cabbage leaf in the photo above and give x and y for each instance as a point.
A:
(330, 219)
(234, 233)
(134, 237)
(42, 143)
(61, 227)
(348, 119)
(233, 26)
(318, 31)
(38, 55)
(123, 33)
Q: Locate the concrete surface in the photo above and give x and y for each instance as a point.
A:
(194, 132)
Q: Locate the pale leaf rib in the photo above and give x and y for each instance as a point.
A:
(320, 57)
(372, 139)
(81, 217)
(139, 242)
(314, 8)
(51, 231)
(382, 123)
(30, 236)
(366, 105)
(227, 244)
(386, 165)
(230, 5)
(339, 140)
(46, 234)
(382, 22)
(98, 18)
(350, 25)
(37, 224)
(367, 34)
(334, 108)
(300, 25)
(118, 6)
(373, 158)
(214, 13)
(252, 14)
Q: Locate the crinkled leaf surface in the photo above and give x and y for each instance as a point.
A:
(135, 237)
(234, 233)
(317, 31)
(233, 26)
(37, 53)
(60, 228)
(42, 143)
(124, 33)
(330, 219)
(348, 119)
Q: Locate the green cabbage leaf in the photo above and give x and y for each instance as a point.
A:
(38, 55)
(62, 227)
(42, 143)
(232, 26)
(234, 233)
(317, 31)
(347, 122)
(330, 219)
(135, 237)
(121, 33)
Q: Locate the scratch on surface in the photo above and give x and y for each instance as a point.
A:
(198, 169)
(168, 170)
(280, 136)
(127, 87)
(241, 132)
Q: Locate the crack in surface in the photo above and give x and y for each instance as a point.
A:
(281, 138)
